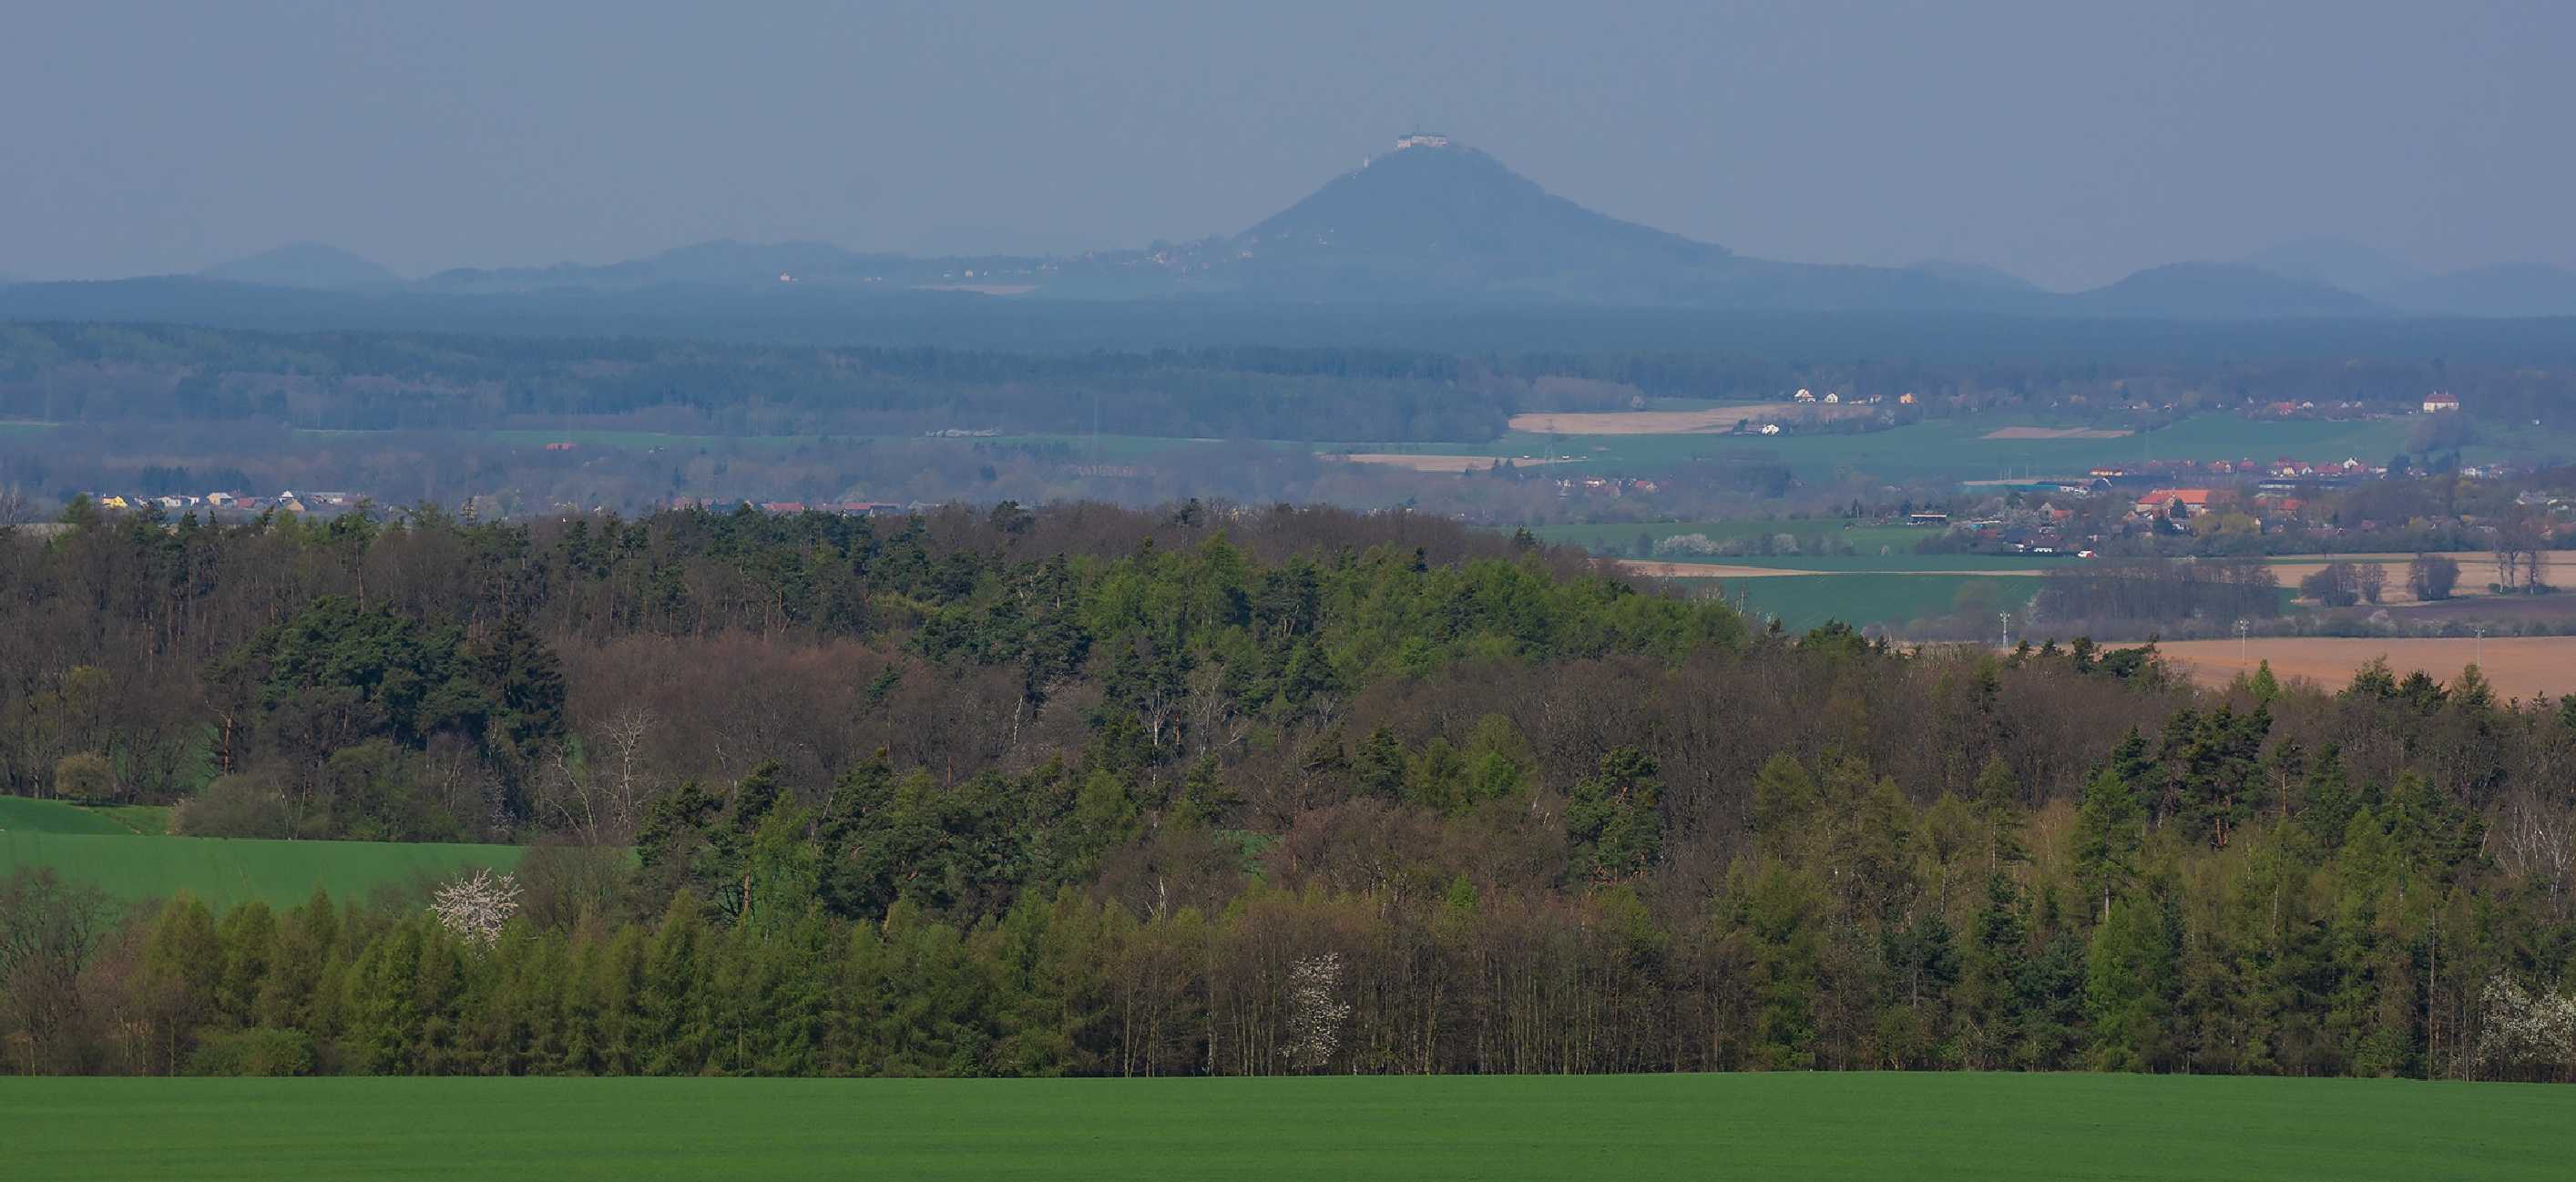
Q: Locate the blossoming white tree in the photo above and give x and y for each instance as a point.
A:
(476, 908)
(1316, 1010)
(2526, 1027)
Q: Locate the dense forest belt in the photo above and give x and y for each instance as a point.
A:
(1213, 790)
(1351, 388)
(1980, 1128)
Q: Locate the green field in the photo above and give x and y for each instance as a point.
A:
(18, 814)
(1892, 600)
(1620, 538)
(222, 871)
(1841, 1126)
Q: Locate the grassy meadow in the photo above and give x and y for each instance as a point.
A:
(1824, 1125)
(1889, 600)
(102, 848)
(22, 815)
(1620, 538)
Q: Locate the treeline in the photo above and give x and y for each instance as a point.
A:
(1220, 790)
(2113, 595)
(2220, 900)
(89, 373)
(1348, 388)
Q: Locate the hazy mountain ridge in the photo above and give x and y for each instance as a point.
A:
(2203, 289)
(305, 264)
(2497, 290)
(1440, 223)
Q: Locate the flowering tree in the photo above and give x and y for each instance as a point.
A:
(1316, 1010)
(477, 907)
(2526, 1028)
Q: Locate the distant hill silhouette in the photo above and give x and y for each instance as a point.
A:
(2218, 290)
(2506, 289)
(2335, 262)
(1436, 224)
(721, 263)
(1448, 222)
(1452, 218)
(305, 264)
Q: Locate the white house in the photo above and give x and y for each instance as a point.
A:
(2436, 403)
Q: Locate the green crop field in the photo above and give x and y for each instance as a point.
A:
(21, 815)
(1620, 538)
(222, 871)
(1842, 1126)
(1886, 600)
(1895, 563)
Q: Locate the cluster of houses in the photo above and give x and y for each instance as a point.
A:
(1833, 398)
(845, 508)
(1603, 486)
(243, 504)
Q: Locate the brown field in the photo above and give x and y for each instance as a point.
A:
(1430, 463)
(2056, 433)
(2518, 666)
(1671, 422)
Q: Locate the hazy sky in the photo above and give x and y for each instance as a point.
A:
(2070, 142)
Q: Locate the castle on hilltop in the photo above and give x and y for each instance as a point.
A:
(1421, 139)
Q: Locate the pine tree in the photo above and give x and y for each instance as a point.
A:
(183, 964)
(2129, 986)
(1614, 822)
(1785, 802)
(2000, 815)
(2108, 833)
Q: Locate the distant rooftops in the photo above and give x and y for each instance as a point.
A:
(1421, 139)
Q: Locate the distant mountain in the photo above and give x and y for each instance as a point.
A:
(1432, 224)
(2218, 291)
(305, 264)
(2335, 262)
(2506, 289)
(1453, 219)
(1439, 221)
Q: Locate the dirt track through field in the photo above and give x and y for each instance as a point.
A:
(2518, 666)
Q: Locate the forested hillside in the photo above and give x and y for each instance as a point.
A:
(1213, 790)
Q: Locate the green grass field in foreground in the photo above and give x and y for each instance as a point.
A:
(1843, 1126)
(227, 871)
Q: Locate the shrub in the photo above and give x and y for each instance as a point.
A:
(85, 775)
(236, 806)
(259, 1051)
